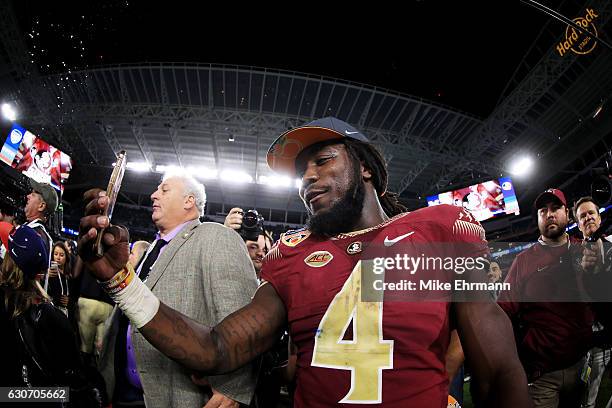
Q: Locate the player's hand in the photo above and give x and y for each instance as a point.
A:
(590, 256)
(63, 300)
(234, 218)
(115, 239)
(219, 400)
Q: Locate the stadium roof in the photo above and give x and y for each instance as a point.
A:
(214, 117)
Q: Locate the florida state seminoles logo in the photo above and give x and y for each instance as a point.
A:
(354, 248)
(318, 259)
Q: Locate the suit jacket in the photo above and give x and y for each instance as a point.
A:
(205, 273)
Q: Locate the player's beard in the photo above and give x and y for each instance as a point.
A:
(343, 215)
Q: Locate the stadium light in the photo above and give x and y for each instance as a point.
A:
(598, 109)
(275, 181)
(202, 172)
(9, 112)
(521, 166)
(236, 176)
(194, 171)
(161, 168)
(140, 167)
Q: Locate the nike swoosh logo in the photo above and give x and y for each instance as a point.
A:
(390, 242)
(350, 133)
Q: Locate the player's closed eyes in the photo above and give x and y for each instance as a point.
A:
(322, 160)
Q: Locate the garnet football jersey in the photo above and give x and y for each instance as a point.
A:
(356, 353)
(552, 335)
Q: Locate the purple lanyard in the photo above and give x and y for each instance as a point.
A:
(131, 371)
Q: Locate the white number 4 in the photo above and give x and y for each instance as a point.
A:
(367, 355)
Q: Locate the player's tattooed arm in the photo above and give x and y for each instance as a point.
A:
(239, 338)
(488, 343)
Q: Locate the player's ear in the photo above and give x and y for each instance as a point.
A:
(366, 173)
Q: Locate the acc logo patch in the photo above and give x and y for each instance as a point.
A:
(291, 239)
(318, 259)
(354, 248)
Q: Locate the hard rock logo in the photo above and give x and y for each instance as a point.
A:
(575, 40)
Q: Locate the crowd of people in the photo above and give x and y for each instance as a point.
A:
(211, 315)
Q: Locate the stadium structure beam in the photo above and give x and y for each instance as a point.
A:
(142, 143)
(108, 135)
(176, 143)
(148, 94)
(215, 146)
(88, 141)
(410, 176)
(194, 117)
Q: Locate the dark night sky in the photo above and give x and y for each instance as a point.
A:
(459, 53)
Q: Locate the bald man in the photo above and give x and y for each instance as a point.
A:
(139, 248)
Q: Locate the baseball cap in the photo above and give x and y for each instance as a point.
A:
(28, 250)
(48, 194)
(286, 148)
(552, 194)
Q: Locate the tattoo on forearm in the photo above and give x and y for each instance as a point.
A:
(234, 342)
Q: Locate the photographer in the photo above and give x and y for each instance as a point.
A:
(249, 225)
(586, 213)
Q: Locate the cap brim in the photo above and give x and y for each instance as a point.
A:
(545, 198)
(286, 148)
(34, 184)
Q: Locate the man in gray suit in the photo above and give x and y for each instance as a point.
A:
(203, 270)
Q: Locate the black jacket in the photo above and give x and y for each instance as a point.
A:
(41, 350)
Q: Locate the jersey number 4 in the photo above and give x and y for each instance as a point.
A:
(367, 354)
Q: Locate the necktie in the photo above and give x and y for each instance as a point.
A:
(150, 259)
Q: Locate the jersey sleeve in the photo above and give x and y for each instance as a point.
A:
(466, 233)
(274, 269)
(279, 266)
(463, 244)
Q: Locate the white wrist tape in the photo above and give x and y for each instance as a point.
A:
(137, 302)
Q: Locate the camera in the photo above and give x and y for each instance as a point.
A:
(252, 225)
